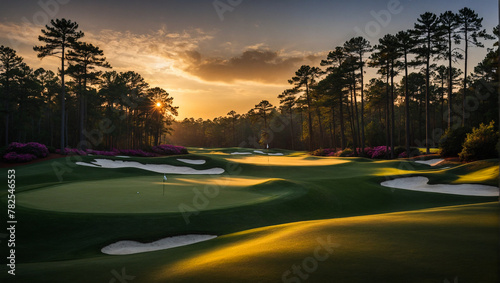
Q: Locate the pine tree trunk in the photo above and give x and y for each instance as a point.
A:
(407, 107)
(342, 128)
(392, 109)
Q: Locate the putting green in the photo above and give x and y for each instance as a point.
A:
(288, 160)
(145, 194)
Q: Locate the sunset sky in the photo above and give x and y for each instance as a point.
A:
(212, 61)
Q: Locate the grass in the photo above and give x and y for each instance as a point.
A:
(268, 217)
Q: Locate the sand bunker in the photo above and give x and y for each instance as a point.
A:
(431, 162)
(158, 168)
(192, 161)
(420, 184)
(132, 247)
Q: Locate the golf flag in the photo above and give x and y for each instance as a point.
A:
(164, 177)
(267, 146)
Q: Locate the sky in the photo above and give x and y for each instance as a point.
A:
(214, 56)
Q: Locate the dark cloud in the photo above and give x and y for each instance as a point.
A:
(263, 66)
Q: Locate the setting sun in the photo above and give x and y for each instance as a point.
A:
(158, 104)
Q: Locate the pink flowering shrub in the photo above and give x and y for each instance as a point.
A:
(136, 152)
(13, 157)
(377, 152)
(166, 149)
(37, 149)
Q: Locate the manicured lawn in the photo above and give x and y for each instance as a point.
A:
(268, 213)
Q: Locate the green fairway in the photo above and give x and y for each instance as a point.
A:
(268, 213)
(146, 194)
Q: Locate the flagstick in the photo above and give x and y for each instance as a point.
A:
(267, 154)
(164, 179)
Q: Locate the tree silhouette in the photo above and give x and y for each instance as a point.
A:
(429, 36)
(334, 62)
(405, 44)
(303, 80)
(234, 117)
(162, 104)
(288, 100)
(470, 25)
(58, 37)
(360, 46)
(449, 22)
(264, 109)
(10, 65)
(83, 59)
(389, 51)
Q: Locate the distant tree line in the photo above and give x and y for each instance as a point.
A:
(84, 105)
(419, 95)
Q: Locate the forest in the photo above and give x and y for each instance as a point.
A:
(419, 94)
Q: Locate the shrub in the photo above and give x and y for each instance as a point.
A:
(51, 149)
(71, 151)
(378, 152)
(324, 152)
(135, 152)
(167, 149)
(413, 152)
(399, 150)
(450, 144)
(37, 149)
(480, 144)
(14, 157)
(346, 153)
(102, 152)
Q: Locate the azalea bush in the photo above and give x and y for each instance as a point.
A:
(37, 149)
(136, 152)
(377, 152)
(71, 151)
(413, 153)
(167, 149)
(346, 153)
(24, 152)
(324, 152)
(14, 157)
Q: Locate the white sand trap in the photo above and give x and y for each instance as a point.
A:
(240, 153)
(192, 161)
(431, 162)
(259, 151)
(276, 154)
(420, 184)
(132, 247)
(158, 168)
